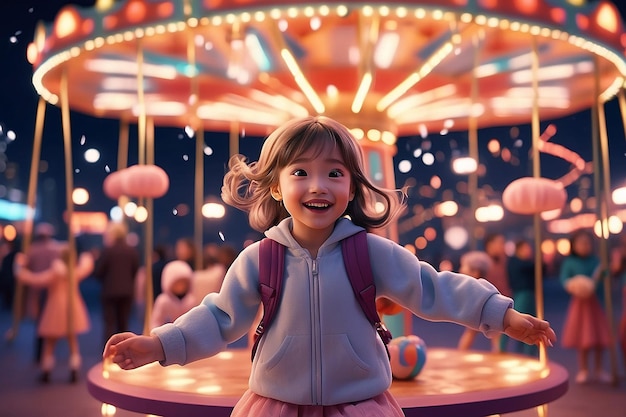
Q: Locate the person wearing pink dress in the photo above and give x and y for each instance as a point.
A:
(585, 328)
(64, 313)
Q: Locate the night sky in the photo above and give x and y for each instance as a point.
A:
(175, 151)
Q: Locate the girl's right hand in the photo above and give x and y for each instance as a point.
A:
(131, 351)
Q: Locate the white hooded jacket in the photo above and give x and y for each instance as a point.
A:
(321, 349)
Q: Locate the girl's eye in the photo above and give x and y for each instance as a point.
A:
(299, 173)
(335, 173)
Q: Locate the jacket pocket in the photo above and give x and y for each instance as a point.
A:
(341, 358)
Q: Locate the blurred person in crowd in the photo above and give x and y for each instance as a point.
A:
(497, 275)
(618, 270)
(226, 255)
(63, 303)
(43, 250)
(209, 279)
(9, 249)
(476, 264)
(116, 268)
(521, 272)
(160, 257)
(177, 297)
(585, 328)
(185, 250)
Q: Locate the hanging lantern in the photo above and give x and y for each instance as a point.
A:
(112, 185)
(148, 181)
(531, 195)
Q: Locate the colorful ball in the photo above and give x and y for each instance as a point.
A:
(408, 356)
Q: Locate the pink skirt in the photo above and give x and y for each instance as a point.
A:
(253, 405)
(585, 325)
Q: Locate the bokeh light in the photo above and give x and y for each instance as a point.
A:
(80, 196)
(92, 155)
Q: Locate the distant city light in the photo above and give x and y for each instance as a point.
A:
(116, 214)
(141, 214)
(428, 158)
(130, 208)
(213, 210)
(92, 155)
(80, 196)
(619, 195)
(404, 166)
(464, 165)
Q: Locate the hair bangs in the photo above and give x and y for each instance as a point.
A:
(314, 139)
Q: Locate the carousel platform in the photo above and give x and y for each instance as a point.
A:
(452, 383)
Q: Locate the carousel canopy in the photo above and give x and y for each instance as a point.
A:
(396, 66)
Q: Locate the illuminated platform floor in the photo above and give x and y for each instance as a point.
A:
(452, 383)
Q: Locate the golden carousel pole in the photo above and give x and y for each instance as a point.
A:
(122, 155)
(602, 183)
(142, 160)
(69, 187)
(198, 228)
(472, 180)
(622, 106)
(542, 410)
(28, 224)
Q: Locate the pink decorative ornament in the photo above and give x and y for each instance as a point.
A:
(149, 181)
(531, 195)
(112, 185)
(407, 356)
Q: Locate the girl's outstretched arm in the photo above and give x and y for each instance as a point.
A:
(131, 351)
(527, 328)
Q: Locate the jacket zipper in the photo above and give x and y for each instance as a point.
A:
(316, 383)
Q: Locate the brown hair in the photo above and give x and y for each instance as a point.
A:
(247, 186)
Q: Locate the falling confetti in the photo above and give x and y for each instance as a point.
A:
(107, 169)
(82, 140)
(222, 236)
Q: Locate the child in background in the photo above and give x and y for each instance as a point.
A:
(176, 297)
(585, 327)
(308, 191)
(476, 264)
(521, 271)
(54, 322)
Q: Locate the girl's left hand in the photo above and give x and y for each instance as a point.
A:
(527, 328)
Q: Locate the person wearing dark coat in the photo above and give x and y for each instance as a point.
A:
(116, 269)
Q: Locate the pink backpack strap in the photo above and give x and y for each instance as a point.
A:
(271, 265)
(358, 266)
(357, 263)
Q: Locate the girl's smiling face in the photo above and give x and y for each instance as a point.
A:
(315, 189)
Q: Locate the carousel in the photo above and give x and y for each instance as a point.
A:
(385, 70)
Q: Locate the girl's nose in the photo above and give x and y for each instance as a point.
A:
(317, 184)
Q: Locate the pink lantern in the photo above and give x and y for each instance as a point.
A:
(148, 181)
(531, 195)
(112, 185)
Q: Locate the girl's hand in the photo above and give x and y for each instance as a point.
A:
(131, 351)
(527, 328)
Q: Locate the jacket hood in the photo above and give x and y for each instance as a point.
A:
(172, 271)
(281, 233)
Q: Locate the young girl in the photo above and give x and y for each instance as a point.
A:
(321, 355)
(585, 327)
(53, 324)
